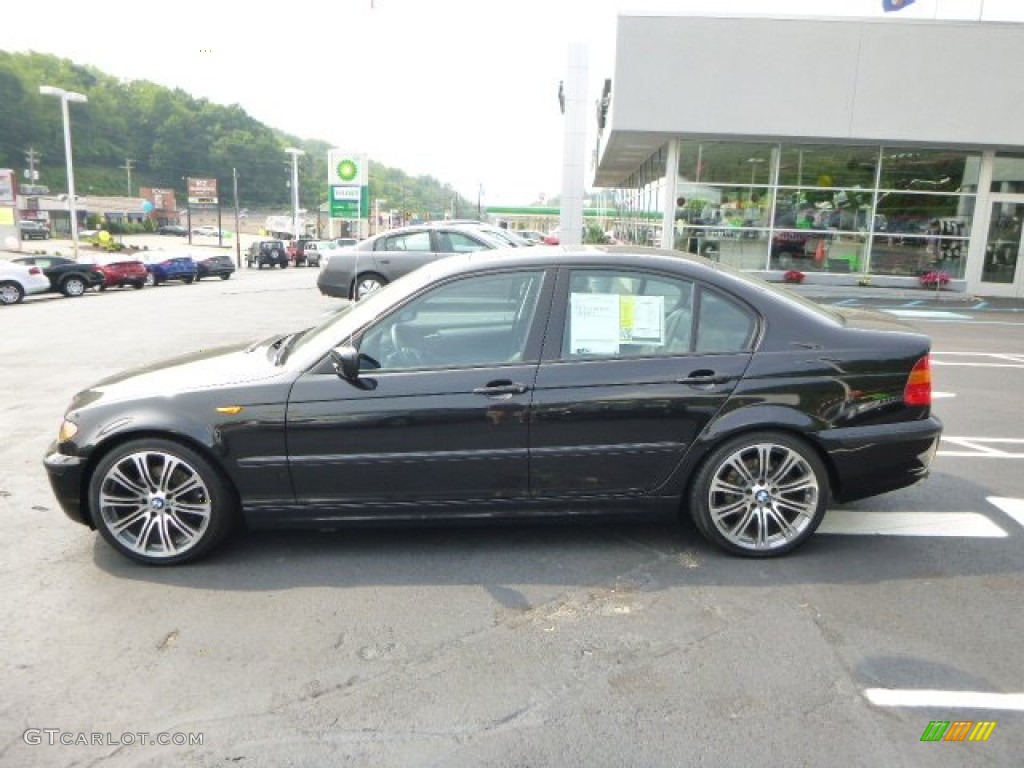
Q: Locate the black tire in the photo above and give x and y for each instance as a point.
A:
(139, 285)
(11, 293)
(134, 505)
(260, 265)
(366, 283)
(189, 280)
(761, 494)
(73, 286)
(225, 277)
(151, 279)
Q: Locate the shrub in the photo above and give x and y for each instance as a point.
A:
(794, 276)
(935, 280)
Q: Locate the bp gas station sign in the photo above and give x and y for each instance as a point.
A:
(347, 179)
(349, 202)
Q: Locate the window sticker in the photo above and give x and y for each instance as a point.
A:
(642, 320)
(599, 323)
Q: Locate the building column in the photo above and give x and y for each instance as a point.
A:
(670, 189)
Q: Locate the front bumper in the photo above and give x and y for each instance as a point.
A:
(65, 473)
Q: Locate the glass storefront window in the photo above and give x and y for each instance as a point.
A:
(829, 208)
(816, 165)
(1008, 173)
(929, 170)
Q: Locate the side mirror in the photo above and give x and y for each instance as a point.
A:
(346, 362)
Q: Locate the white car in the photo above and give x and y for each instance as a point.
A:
(18, 281)
(206, 230)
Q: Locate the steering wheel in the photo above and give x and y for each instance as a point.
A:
(403, 355)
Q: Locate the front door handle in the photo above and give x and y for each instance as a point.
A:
(501, 388)
(703, 378)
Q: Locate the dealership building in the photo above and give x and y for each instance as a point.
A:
(854, 150)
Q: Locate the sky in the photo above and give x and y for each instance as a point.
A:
(465, 91)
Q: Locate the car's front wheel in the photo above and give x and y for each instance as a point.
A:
(11, 293)
(160, 502)
(760, 495)
(150, 280)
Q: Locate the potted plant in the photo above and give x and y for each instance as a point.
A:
(794, 276)
(934, 280)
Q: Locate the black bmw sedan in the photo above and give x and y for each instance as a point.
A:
(614, 381)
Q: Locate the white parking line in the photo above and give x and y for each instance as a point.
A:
(941, 395)
(938, 314)
(1012, 507)
(963, 524)
(982, 447)
(908, 697)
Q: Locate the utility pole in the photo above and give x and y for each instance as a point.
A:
(238, 238)
(32, 156)
(128, 167)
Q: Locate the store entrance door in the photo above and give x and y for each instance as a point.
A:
(1002, 271)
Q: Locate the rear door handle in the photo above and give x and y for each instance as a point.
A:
(704, 378)
(500, 388)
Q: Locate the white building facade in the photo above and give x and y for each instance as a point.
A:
(878, 150)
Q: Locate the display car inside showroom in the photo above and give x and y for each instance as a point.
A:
(881, 151)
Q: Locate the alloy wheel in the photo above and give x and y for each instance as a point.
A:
(154, 504)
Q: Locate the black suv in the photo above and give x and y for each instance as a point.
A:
(267, 252)
(31, 230)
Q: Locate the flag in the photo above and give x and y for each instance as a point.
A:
(895, 5)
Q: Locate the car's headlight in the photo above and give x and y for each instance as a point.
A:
(67, 430)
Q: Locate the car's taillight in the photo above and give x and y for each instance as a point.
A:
(919, 384)
(35, 271)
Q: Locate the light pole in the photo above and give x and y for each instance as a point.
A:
(295, 189)
(377, 201)
(65, 97)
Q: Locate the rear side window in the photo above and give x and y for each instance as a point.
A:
(627, 314)
(723, 326)
(458, 242)
(412, 241)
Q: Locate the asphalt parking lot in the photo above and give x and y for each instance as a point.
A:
(519, 645)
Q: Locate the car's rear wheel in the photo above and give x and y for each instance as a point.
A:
(139, 284)
(225, 277)
(190, 279)
(11, 293)
(160, 502)
(366, 284)
(150, 279)
(760, 495)
(73, 286)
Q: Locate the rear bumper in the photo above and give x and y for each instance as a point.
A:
(65, 474)
(872, 460)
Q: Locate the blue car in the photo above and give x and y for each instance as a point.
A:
(162, 267)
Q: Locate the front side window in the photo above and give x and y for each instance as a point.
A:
(477, 321)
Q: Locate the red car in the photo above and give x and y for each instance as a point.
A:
(125, 271)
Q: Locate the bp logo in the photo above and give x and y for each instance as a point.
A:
(347, 170)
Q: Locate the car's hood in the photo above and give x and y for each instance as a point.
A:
(222, 367)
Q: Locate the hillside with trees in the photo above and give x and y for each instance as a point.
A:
(169, 135)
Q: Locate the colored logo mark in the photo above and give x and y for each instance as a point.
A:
(958, 730)
(347, 170)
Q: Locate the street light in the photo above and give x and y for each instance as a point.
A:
(65, 97)
(295, 189)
